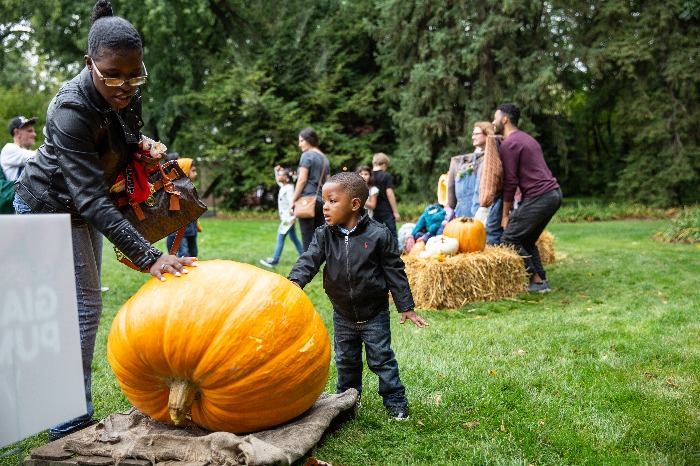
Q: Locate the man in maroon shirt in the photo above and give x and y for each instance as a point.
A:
(524, 167)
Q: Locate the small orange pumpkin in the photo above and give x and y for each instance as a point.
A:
(417, 248)
(228, 346)
(469, 232)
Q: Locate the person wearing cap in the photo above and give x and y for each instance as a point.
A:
(16, 153)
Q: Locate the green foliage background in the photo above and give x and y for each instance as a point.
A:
(609, 88)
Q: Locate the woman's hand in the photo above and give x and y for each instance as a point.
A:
(171, 264)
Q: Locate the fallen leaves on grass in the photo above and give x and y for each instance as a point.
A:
(471, 424)
(314, 462)
(437, 399)
(420, 424)
(649, 375)
(503, 425)
(540, 422)
(521, 352)
(492, 372)
(670, 382)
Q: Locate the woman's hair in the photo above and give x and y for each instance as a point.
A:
(366, 168)
(485, 126)
(310, 136)
(111, 32)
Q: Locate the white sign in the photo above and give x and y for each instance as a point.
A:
(41, 372)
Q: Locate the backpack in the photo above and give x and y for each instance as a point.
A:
(7, 194)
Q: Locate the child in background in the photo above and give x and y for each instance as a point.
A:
(188, 246)
(386, 211)
(362, 266)
(287, 224)
(365, 172)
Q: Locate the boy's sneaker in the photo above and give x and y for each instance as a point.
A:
(398, 413)
(269, 262)
(539, 287)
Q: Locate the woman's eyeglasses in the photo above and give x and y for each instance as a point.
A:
(116, 82)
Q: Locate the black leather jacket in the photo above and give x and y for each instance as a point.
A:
(86, 146)
(361, 268)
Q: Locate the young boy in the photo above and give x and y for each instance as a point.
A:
(386, 211)
(362, 266)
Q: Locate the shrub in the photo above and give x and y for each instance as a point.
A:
(684, 228)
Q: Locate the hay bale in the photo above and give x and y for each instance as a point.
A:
(545, 243)
(497, 272)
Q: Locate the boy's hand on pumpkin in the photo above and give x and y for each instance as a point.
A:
(171, 264)
(415, 318)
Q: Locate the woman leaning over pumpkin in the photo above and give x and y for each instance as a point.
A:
(475, 181)
(92, 134)
(314, 168)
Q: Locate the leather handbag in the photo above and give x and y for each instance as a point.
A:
(172, 205)
(305, 206)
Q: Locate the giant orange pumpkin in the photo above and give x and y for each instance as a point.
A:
(470, 233)
(228, 346)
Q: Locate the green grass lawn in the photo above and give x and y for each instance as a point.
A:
(603, 370)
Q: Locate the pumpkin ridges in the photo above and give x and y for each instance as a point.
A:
(210, 373)
(286, 401)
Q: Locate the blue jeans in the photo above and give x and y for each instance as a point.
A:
(376, 335)
(188, 246)
(526, 224)
(494, 230)
(87, 256)
(292, 233)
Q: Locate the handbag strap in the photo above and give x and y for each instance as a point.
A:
(323, 171)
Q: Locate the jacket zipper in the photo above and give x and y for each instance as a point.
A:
(347, 270)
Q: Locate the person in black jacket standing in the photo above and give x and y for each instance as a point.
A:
(362, 266)
(92, 133)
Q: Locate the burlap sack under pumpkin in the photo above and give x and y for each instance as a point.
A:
(135, 435)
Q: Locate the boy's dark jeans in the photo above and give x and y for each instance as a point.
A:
(526, 224)
(376, 335)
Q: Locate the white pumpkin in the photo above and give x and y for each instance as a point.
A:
(441, 245)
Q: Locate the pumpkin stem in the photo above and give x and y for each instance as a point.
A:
(182, 394)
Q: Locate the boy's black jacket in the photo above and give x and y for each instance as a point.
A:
(361, 269)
